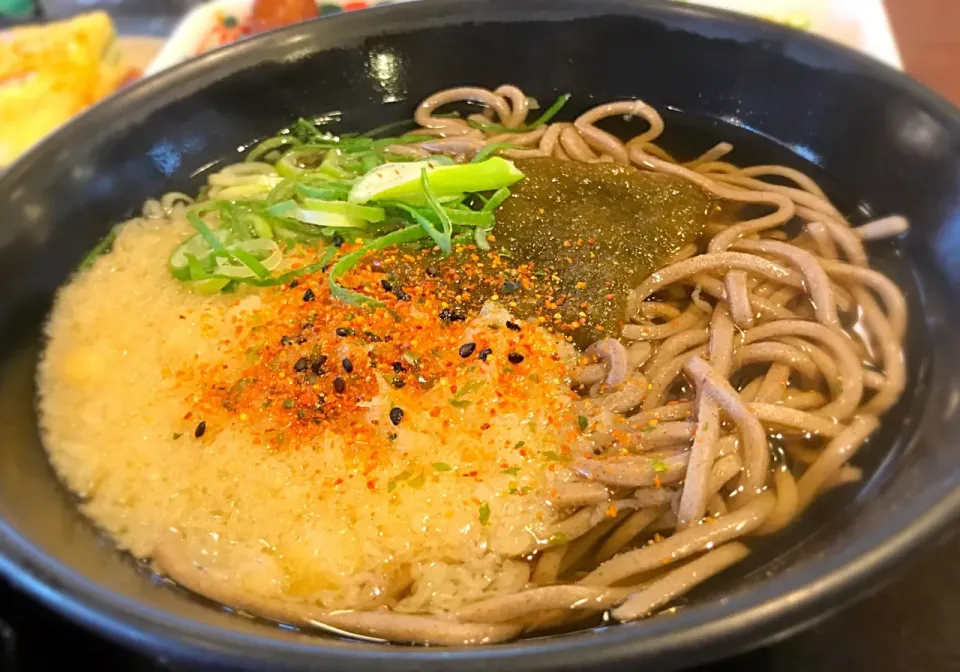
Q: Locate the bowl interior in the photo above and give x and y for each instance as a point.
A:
(876, 143)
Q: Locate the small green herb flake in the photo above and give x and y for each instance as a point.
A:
(554, 456)
(582, 422)
(513, 471)
(659, 466)
(460, 403)
(558, 539)
(441, 466)
(417, 481)
(484, 513)
(519, 444)
(177, 435)
(288, 403)
(472, 386)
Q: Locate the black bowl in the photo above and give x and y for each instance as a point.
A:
(878, 141)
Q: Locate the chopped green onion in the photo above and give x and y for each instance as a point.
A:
(269, 145)
(659, 466)
(250, 262)
(208, 286)
(441, 466)
(205, 231)
(387, 127)
(446, 226)
(480, 238)
(488, 150)
(484, 513)
(102, 248)
(327, 219)
(407, 235)
(283, 208)
(442, 241)
(352, 210)
(582, 423)
(550, 112)
(328, 190)
(401, 181)
(495, 201)
(547, 115)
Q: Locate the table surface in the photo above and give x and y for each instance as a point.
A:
(928, 35)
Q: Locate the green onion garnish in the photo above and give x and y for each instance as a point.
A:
(407, 235)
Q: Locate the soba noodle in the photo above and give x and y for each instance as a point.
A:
(772, 325)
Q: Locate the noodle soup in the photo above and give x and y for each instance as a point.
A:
(496, 374)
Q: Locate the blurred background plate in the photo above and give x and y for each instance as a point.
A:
(861, 24)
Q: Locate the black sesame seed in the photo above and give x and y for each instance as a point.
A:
(486, 352)
(372, 337)
(397, 382)
(399, 367)
(513, 326)
(392, 436)
(301, 364)
(343, 332)
(510, 286)
(448, 315)
(294, 284)
(301, 340)
(400, 294)
(387, 287)
(339, 385)
(325, 268)
(515, 357)
(347, 365)
(337, 240)
(432, 271)
(309, 295)
(202, 427)
(396, 415)
(467, 349)
(286, 340)
(318, 365)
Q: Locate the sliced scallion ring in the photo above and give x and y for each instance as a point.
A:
(363, 212)
(208, 286)
(327, 219)
(197, 248)
(264, 253)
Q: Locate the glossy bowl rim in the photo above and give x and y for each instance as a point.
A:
(698, 633)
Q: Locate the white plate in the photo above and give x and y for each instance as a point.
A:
(861, 24)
